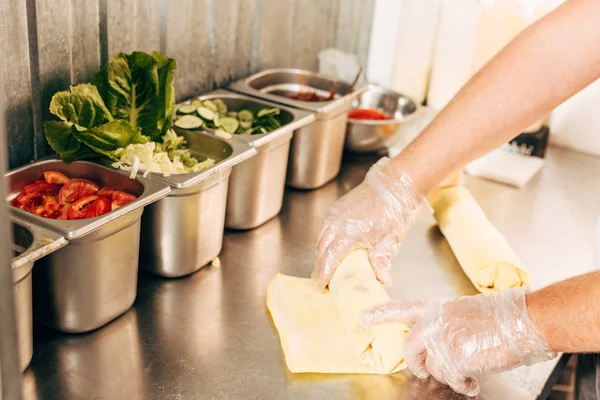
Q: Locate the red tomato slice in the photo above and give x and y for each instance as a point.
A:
(121, 198)
(55, 177)
(76, 189)
(41, 187)
(64, 212)
(78, 209)
(105, 192)
(100, 206)
(51, 206)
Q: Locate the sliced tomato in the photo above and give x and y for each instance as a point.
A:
(55, 177)
(78, 209)
(106, 192)
(64, 212)
(76, 189)
(120, 198)
(51, 206)
(100, 206)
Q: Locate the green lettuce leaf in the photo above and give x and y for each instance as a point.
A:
(138, 88)
(107, 138)
(65, 144)
(80, 105)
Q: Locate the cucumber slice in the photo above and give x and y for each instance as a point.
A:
(248, 131)
(210, 105)
(268, 111)
(206, 114)
(216, 120)
(196, 102)
(246, 124)
(189, 122)
(228, 124)
(245, 115)
(186, 109)
(232, 114)
(221, 106)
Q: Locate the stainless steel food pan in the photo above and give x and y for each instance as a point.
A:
(364, 136)
(92, 280)
(30, 243)
(256, 185)
(316, 149)
(184, 231)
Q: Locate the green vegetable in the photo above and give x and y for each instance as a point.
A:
(206, 113)
(210, 105)
(189, 122)
(221, 106)
(65, 144)
(197, 103)
(187, 109)
(106, 139)
(245, 115)
(138, 88)
(268, 111)
(87, 129)
(80, 105)
(229, 124)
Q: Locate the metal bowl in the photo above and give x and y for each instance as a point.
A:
(364, 136)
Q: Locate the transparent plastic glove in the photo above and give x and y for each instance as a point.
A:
(376, 216)
(453, 340)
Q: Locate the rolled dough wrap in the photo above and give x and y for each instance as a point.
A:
(322, 332)
(481, 250)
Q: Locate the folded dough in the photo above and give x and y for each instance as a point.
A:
(322, 332)
(481, 250)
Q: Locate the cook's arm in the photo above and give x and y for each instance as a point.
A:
(567, 313)
(545, 65)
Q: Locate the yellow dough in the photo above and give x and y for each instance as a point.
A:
(322, 332)
(481, 250)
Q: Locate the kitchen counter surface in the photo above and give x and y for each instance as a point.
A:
(209, 336)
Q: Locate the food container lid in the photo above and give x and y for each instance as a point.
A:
(238, 152)
(296, 118)
(152, 191)
(267, 84)
(41, 242)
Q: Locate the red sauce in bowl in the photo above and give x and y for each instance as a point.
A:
(370, 114)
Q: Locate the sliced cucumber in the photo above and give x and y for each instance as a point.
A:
(189, 122)
(210, 105)
(232, 114)
(245, 124)
(248, 131)
(245, 115)
(206, 113)
(216, 120)
(268, 111)
(186, 109)
(221, 106)
(229, 124)
(196, 102)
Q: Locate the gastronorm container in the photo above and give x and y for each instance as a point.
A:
(184, 231)
(316, 149)
(29, 244)
(93, 280)
(256, 185)
(364, 136)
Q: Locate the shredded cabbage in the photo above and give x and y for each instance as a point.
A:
(169, 157)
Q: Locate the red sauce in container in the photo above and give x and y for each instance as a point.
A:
(370, 114)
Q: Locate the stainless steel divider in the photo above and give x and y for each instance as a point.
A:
(10, 371)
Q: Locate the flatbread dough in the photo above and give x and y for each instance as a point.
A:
(481, 250)
(323, 333)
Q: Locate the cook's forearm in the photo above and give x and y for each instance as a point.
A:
(567, 313)
(542, 67)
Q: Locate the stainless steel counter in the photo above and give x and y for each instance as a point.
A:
(208, 336)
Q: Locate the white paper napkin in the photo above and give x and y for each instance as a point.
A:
(505, 166)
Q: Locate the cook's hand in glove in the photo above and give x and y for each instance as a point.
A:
(376, 216)
(453, 340)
